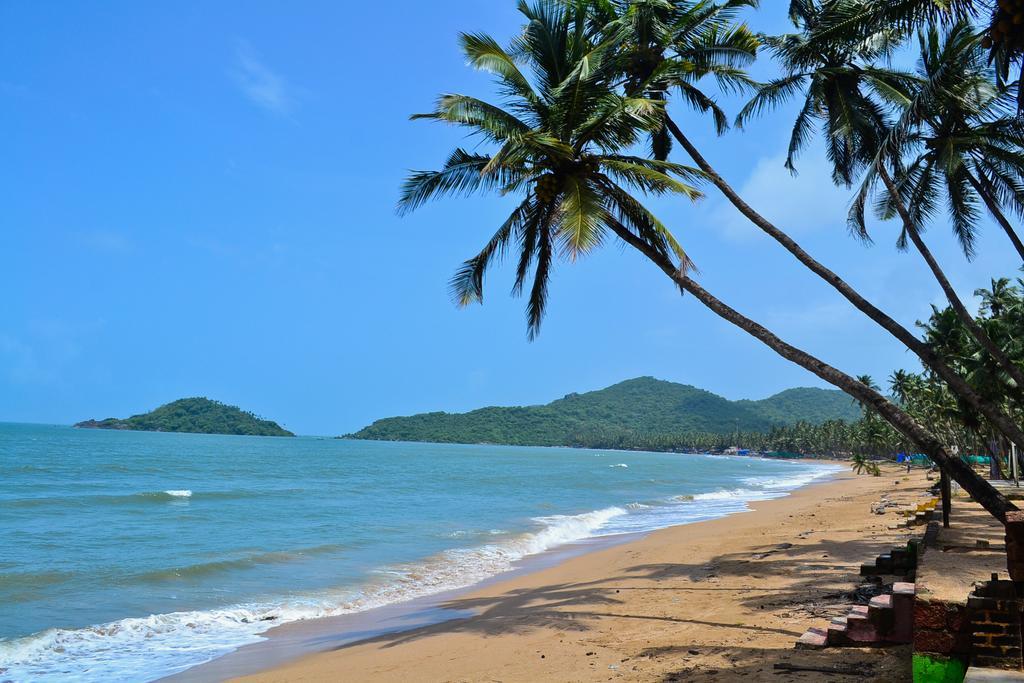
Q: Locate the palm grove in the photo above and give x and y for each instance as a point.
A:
(585, 130)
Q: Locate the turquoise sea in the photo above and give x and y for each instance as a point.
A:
(131, 556)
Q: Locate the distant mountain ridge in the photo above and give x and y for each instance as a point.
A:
(194, 416)
(642, 405)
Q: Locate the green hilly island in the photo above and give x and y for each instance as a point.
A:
(196, 416)
(642, 406)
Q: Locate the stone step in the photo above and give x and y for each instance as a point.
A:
(881, 614)
(978, 674)
(903, 608)
(837, 632)
(859, 628)
(813, 639)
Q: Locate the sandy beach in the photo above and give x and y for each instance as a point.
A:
(719, 600)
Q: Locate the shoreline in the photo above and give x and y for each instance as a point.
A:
(758, 455)
(300, 641)
(530, 624)
(294, 640)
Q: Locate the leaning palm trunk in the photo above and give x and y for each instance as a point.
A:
(961, 311)
(981, 490)
(993, 207)
(955, 382)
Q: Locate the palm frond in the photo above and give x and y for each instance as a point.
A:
(490, 120)
(963, 209)
(579, 221)
(467, 285)
(771, 95)
(486, 54)
(652, 176)
(463, 173)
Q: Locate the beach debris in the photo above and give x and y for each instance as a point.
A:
(882, 506)
(860, 670)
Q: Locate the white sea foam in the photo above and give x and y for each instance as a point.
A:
(160, 645)
(730, 494)
(621, 465)
(764, 488)
(791, 482)
(142, 649)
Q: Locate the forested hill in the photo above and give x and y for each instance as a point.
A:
(195, 415)
(641, 406)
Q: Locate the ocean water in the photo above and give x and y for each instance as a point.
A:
(130, 556)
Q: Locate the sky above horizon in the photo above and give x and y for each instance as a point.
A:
(200, 200)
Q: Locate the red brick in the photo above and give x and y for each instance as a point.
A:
(954, 619)
(933, 641)
(929, 615)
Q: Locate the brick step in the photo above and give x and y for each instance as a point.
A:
(859, 628)
(881, 615)
(837, 632)
(886, 619)
(903, 612)
(899, 562)
(813, 639)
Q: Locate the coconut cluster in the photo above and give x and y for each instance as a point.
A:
(1007, 28)
(589, 165)
(548, 186)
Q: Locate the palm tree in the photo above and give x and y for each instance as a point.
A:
(944, 63)
(662, 77)
(665, 46)
(902, 384)
(1004, 37)
(970, 143)
(560, 148)
(837, 78)
(1001, 299)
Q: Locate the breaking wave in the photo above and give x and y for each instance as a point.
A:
(146, 648)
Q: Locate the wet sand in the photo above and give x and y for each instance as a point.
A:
(720, 600)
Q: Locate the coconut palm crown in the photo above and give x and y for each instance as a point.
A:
(843, 87)
(562, 137)
(963, 139)
(666, 46)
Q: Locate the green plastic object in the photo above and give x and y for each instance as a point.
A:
(935, 669)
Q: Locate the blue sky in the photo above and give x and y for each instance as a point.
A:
(198, 199)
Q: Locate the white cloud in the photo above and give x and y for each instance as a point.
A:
(798, 204)
(261, 85)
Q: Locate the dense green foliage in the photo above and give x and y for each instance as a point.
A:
(638, 413)
(194, 415)
(926, 397)
(923, 395)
